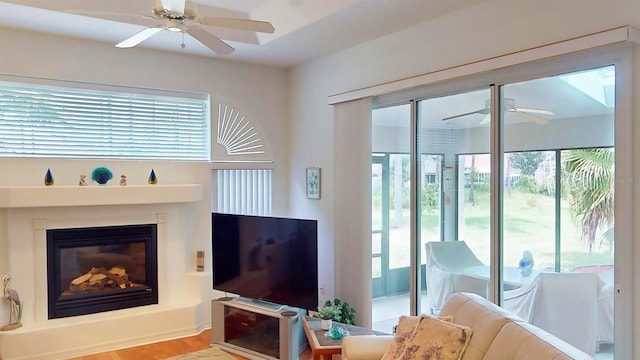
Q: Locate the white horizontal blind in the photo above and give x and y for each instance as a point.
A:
(52, 121)
(245, 192)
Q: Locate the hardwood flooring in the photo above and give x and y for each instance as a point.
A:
(165, 349)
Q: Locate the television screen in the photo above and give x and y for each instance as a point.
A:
(266, 258)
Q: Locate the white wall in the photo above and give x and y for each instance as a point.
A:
(490, 29)
(311, 144)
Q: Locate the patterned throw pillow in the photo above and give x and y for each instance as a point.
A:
(436, 339)
(404, 330)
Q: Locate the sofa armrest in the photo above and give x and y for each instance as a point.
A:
(365, 347)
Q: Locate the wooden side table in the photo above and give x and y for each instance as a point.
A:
(322, 345)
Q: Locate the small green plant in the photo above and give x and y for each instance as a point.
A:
(337, 310)
(328, 312)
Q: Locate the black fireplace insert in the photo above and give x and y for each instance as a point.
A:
(97, 269)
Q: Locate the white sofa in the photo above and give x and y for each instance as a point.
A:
(497, 334)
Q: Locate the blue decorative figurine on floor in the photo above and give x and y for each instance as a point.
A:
(526, 263)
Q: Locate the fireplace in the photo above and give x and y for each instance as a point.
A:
(28, 213)
(97, 269)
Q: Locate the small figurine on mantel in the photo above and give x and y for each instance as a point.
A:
(123, 180)
(15, 313)
(153, 179)
(83, 180)
(48, 178)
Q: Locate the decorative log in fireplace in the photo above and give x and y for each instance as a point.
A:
(100, 269)
(98, 279)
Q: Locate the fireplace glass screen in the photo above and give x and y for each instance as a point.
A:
(102, 268)
(99, 269)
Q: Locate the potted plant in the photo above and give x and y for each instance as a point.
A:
(347, 313)
(335, 310)
(327, 313)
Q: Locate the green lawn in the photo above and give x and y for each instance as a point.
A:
(529, 224)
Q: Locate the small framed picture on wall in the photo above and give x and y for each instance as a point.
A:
(313, 183)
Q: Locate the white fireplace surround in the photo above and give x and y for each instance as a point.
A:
(29, 211)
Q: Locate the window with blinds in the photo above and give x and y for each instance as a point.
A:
(53, 121)
(245, 192)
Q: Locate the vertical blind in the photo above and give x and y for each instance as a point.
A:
(246, 192)
(52, 121)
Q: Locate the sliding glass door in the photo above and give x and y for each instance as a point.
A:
(505, 191)
(390, 218)
(558, 204)
(452, 125)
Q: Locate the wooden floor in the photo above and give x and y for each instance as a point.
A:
(166, 349)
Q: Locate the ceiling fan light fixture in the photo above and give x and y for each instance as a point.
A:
(508, 103)
(174, 26)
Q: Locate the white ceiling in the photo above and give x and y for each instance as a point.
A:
(305, 29)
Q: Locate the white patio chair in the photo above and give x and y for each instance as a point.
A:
(564, 304)
(445, 264)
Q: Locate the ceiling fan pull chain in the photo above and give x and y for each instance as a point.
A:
(182, 45)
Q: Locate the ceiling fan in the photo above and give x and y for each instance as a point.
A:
(509, 105)
(179, 16)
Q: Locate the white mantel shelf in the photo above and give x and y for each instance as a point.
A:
(57, 196)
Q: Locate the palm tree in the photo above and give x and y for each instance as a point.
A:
(589, 178)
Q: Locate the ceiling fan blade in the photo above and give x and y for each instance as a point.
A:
(174, 5)
(240, 24)
(211, 41)
(484, 111)
(138, 37)
(532, 118)
(142, 20)
(532, 111)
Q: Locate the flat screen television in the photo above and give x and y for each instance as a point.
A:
(272, 259)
